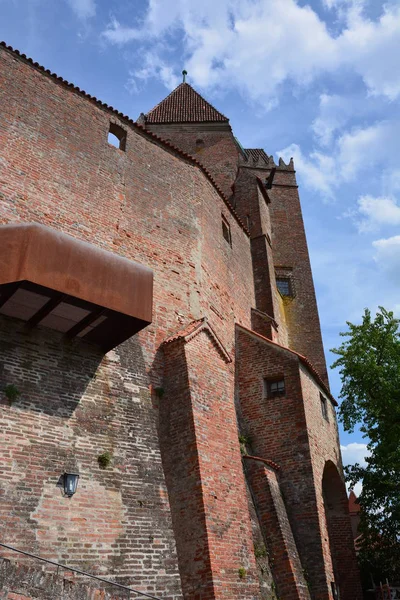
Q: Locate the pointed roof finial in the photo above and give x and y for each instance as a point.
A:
(184, 73)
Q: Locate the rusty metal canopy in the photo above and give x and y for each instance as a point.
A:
(50, 278)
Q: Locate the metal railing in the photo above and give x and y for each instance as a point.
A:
(60, 566)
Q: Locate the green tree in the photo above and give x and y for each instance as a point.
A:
(369, 363)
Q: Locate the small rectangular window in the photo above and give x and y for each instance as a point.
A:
(284, 286)
(324, 407)
(274, 387)
(285, 281)
(226, 231)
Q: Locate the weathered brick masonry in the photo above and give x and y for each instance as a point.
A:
(176, 513)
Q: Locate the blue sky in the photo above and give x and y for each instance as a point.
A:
(318, 81)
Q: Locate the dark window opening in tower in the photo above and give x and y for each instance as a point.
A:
(324, 407)
(284, 286)
(199, 145)
(226, 231)
(274, 387)
(117, 136)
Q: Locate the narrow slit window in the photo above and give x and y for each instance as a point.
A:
(324, 407)
(226, 231)
(274, 387)
(117, 136)
(335, 591)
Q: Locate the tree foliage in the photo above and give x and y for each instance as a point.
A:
(369, 363)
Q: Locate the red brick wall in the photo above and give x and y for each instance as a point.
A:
(74, 405)
(146, 204)
(289, 246)
(30, 582)
(278, 240)
(253, 210)
(218, 153)
(278, 431)
(150, 205)
(181, 465)
(326, 461)
(203, 464)
(286, 565)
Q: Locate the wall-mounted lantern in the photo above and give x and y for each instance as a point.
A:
(70, 483)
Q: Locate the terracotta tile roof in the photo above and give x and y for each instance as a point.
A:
(354, 507)
(186, 332)
(184, 105)
(259, 158)
(304, 360)
(193, 329)
(131, 123)
(257, 154)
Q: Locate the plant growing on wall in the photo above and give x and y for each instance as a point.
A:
(244, 441)
(12, 392)
(260, 551)
(104, 460)
(242, 573)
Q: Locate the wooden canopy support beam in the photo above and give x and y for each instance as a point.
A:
(88, 320)
(45, 310)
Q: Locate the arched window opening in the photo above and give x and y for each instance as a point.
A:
(117, 136)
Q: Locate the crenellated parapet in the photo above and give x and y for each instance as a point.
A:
(257, 158)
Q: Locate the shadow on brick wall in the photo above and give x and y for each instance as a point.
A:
(41, 372)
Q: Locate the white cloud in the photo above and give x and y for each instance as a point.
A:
(226, 42)
(388, 255)
(372, 48)
(152, 65)
(362, 148)
(377, 212)
(354, 453)
(392, 181)
(318, 171)
(232, 43)
(354, 152)
(119, 34)
(224, 45)
(346, 10)
(357, 489)
(333, 113)
(83, 9)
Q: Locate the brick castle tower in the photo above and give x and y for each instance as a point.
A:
(159, 335)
